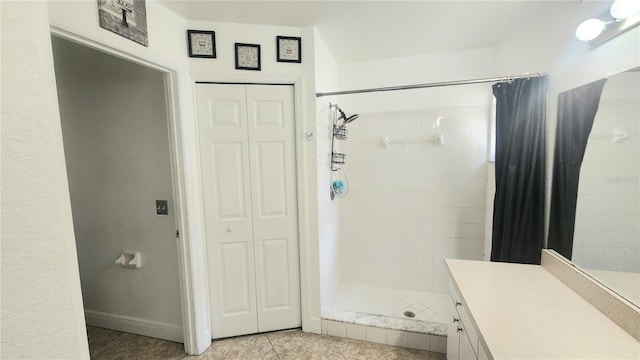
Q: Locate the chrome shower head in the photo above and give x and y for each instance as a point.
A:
(351, 118)
(347, 119)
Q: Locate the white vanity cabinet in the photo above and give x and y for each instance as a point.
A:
(462, 337)
(502, 311)
(454, 330)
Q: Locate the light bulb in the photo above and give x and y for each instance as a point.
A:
(622, 9)
(589, 29)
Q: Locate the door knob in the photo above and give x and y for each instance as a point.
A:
(230, 229)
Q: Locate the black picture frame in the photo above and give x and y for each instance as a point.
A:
(205, 41)
(248, 56)
(289, 49)
(126, 18)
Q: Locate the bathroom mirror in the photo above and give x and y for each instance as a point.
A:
(606, 235)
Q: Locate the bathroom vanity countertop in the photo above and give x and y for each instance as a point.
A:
(525, 312)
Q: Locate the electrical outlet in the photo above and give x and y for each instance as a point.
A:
(162, 207)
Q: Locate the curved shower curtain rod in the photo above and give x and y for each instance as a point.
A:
(434, 84)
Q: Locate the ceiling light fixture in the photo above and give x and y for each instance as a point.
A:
(623, 16)
(590, 29)
(622, 9)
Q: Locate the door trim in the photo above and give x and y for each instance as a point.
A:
(192, 247)
(308, 293)
(186, 180)
(243, 83)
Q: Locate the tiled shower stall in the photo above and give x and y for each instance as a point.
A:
(417, 183)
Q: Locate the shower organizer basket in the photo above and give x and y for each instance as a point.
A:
(339, 132)
(337, 160)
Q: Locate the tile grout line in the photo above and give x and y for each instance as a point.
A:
(335, 345)
(273, 347)
(333, 342)
(97, 352)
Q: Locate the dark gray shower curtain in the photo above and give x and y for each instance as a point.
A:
(576, 111)
(518, 212)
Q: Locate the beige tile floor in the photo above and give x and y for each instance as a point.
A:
(292, 344)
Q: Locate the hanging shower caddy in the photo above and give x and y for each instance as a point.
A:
(339, 131)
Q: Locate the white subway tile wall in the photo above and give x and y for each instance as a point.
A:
(406, 339)
(337, 328)
(397, 338)
(607, 230)
(411, 206)
(357, 332)
(419, 341)
(376, 335)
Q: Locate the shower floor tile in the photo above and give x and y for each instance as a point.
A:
(384, 307)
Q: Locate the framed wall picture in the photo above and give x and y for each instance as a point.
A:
(247, 56)
(202, 44)
(289, 49)
(127, 18)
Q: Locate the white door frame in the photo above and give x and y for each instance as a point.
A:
(188, 212)
(184, 148)
(309, 324)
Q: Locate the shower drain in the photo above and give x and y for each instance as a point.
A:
(409, 314)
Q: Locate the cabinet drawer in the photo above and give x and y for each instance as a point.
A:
(453, 294)
(453, 335)
(469, 329)
(465, 320)
(466, 351)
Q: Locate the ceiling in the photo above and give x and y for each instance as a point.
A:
(366, 30)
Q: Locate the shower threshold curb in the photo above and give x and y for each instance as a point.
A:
(386, 322)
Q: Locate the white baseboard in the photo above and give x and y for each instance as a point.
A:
(134, 325)
(315, 326)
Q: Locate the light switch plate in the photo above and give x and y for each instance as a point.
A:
(162, 207)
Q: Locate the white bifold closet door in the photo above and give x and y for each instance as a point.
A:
(247, 151)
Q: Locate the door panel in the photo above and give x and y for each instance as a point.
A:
(247, 147)
(228, 185)
(224, 153)
(275, 280)
(236, 299)
(269, 113)
(225, 113)
(271, 129)
(271, 179)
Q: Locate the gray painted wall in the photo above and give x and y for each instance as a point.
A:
(117, 151)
